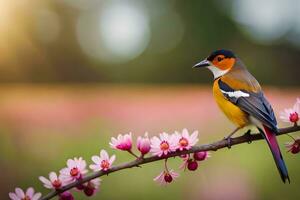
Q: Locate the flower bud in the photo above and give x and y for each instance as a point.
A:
(200, 156)
(192, 165)
(88, 191)
(66, 196)
(143, 144)
(294, 117)
(91, 187)
(294, 146)
(122, 142)
(295, 149)
(80, 187)
(168, 178)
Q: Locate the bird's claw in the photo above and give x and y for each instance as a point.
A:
(248, 135)
(228, 139)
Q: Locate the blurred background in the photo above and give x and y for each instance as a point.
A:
(76, 72)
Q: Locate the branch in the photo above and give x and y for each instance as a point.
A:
(246, 138)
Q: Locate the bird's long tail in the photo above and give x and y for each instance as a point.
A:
(270, 136)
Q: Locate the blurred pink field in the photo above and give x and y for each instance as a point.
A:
(28, 108)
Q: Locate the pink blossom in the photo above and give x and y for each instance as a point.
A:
(166, 177)
(123, 142)
(291, 114)
(104, 162)
(54, 181)
(19, 194)
(91, 187)
(143, 144)
(185, 141)
(293, 147)
(202, 155)
(163, 145)
(75, 169)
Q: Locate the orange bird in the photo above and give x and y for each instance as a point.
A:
(240, 97)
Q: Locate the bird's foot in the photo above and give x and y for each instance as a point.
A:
(248, 135)
(229, 140)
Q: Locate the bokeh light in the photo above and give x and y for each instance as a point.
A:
(119, 34)
(264, 21)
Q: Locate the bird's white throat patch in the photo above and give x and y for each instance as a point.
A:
(216, 71)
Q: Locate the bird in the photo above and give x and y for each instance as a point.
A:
(239, 95)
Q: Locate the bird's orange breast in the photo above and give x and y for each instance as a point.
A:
(232, 112)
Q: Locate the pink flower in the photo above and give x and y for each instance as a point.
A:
(75, 169)
(20, 195)
(123, 142)
(200, 156)
(91, 187)
(186, 141)
(291, 114)
(166, 177)
(143, 144)
(293, 147)
(54, 181)
(163, 145)
(103, 162)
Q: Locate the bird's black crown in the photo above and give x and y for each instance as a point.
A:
(226, 53)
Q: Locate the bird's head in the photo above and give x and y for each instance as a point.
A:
(219, 62)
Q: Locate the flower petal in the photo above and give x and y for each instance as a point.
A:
(46, 182)
(30, 192)
(112, 159)
(104, 155)
(13, 196)
(37, 196)
(82, 164)
(94, 167)
(20, 193)
(71, 163)
(52, 176)
(96, 159)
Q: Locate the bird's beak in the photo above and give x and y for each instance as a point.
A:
(203, 63)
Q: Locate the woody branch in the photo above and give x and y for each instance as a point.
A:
(246, 138)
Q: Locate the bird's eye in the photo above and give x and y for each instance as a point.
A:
(219, 59)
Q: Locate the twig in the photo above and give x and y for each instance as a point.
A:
(141, 161)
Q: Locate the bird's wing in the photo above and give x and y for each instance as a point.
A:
(249, 99)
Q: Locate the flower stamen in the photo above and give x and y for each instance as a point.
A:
(104, 164)
(56, 184)
(74, 171)
(164, 145)
(26, 198)
(183, 142)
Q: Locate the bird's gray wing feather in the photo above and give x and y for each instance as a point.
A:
(255, 104)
